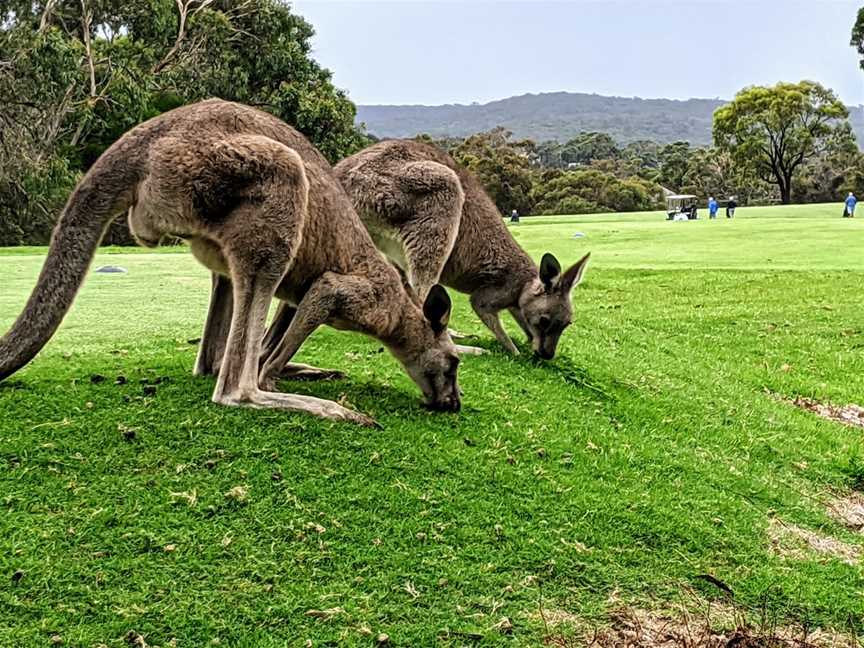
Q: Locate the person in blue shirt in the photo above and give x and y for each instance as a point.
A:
(851, 201)
(713, 206)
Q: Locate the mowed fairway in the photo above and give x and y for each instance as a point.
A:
(651, 452)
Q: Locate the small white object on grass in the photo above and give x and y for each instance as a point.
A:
(110, 269)
(579, 235)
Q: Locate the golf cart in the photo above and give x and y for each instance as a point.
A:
(680, 208)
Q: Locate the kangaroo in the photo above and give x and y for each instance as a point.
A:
(260, 208)
(433, 219)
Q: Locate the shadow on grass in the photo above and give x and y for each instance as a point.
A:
(573, 374)
(13, 385)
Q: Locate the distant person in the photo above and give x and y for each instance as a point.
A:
(713, 206)
(851, 201)
(514, 216)
(730, 207)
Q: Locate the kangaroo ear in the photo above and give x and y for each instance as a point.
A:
(549, 269)
(437, 307)
(574, 274)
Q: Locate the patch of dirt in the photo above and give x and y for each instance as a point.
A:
(848, 510)
(795, 542)
(555, 618)
(850, 414)
(635, 628)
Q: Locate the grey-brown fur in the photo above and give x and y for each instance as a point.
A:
(261, 209)
(433, 219)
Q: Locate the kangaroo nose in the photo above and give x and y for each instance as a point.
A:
(545, 354)
(452, 404)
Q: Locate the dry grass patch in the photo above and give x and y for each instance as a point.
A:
(850, 414)
(848, 510)
(791, 541)
(716, 627)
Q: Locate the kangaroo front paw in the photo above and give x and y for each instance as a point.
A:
(362, 419)
(470, 350)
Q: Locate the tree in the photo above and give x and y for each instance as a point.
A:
(584, 191)
(643, 157)
(503, 167)
(773, 130)
(74, 76)
(711, 171)
(588, 147)
(827, 178)
(858, 36)
(674, 159)
(549, 155)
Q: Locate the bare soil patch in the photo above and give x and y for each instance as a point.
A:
(848, 510)
(635, 628)
(791, 541)
(850, 414)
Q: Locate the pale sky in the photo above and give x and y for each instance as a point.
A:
(459, 51)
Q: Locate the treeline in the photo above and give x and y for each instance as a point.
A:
(592, 173)
(546, 179)
(74, 76)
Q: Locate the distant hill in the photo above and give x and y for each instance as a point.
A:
(560, 116)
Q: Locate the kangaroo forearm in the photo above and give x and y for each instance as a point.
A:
(521, 321)
(492, 321)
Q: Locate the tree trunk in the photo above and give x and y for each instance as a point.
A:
(786, 189)
(784, 183)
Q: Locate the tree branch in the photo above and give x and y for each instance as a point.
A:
(46, 14)
(86, 24)
(184, 7)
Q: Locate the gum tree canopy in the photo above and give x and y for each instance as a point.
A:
(77, 74)
(772, 131)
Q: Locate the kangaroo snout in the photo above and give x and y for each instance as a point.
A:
(451, 404)
(544, 353)
(545, 346)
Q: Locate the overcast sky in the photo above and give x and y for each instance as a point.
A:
(451, 51)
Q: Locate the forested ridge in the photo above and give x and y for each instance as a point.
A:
(561, 116)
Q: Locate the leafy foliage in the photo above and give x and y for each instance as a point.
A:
(74, 76)
(588, 147)
(503, 167)
(772, 131)
(858, 35)
(593, 191)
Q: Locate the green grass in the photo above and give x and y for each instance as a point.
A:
(646, 454)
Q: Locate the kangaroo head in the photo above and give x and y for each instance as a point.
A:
(430, 357)
(545, 303)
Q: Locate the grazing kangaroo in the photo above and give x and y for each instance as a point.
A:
(434, 220)
(261, 209)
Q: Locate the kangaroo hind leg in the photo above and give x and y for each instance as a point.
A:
(260, 239)
(434, 199)
(238, 377)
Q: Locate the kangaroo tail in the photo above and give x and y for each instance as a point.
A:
(105, 191)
